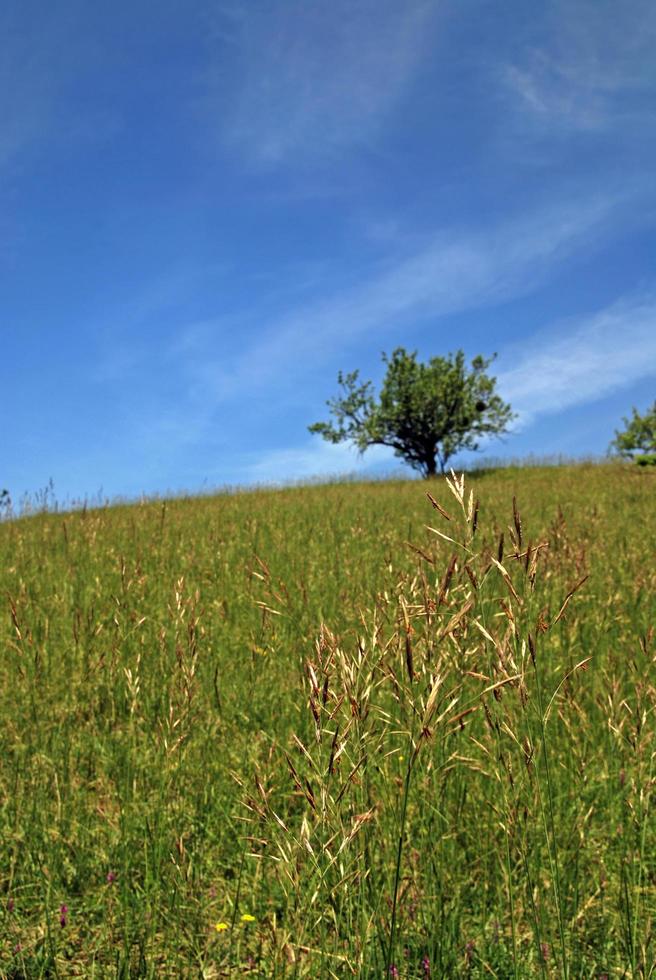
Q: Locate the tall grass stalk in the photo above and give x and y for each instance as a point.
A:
(549, 823)
(399, 852)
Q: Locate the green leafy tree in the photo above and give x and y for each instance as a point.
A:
(425, 412)
(638, 440)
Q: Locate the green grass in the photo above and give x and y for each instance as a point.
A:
(272, 705)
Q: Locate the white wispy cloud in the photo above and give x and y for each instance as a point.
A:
(581, 360)
(454, 272)
(313, 458)
(587, 63)
(225, 365)
(309, 78)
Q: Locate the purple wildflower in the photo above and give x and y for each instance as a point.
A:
(111, 877)
(393, 970)
(425, 965)
(63, 915)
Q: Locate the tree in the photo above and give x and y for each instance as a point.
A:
(425, 413)
(638, 440)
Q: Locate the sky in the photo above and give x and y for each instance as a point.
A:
(208, 208)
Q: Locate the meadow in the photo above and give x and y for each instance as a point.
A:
(334, 731)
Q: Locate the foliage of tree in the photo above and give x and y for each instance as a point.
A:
(426, 412)
(638, 439)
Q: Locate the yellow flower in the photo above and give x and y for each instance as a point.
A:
(221, 926)
(247, 918)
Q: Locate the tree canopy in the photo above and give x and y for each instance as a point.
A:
(426, 412)
(638, 440)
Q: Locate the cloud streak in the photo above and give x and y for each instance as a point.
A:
(566, 364)
(315, 458)
(582, 360)
(587, 67)
(451, 274)
(313, 78)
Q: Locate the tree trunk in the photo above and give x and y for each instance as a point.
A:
(430, 467)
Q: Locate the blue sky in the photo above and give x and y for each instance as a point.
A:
(207, 209)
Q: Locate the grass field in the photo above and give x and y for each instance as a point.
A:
(298, 733)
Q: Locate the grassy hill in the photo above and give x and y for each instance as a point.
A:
(299, 733)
